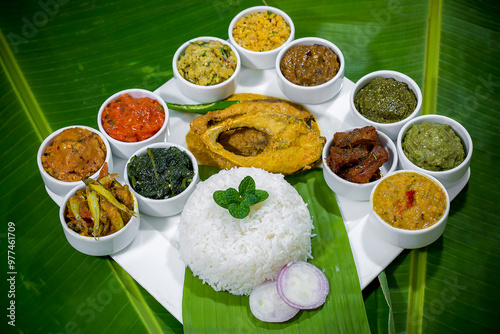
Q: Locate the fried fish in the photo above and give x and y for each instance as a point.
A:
(260, 131)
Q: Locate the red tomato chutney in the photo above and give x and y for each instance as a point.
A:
(131, 120)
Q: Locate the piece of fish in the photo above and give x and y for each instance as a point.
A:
(263, 132)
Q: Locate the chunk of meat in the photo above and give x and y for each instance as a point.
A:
(363, 172)
(340, 157)
(360, 136)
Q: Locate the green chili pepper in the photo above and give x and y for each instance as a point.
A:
(201, 108)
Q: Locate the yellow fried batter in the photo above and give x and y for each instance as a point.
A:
(261, 131)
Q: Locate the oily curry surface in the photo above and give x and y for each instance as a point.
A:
(260, 131)
(409, 201)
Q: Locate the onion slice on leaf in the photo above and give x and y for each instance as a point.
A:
(266, 305)
(302, 285)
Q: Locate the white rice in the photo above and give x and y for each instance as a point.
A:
(236, 255)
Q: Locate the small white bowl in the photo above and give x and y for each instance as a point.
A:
(447, 177)
(390, 129)
(358, 191)
(124, 149)
(255, 59)
(211, 93)
(105, 245)
(409, 238)
(311, 94)
(169, 206)
(61, 188)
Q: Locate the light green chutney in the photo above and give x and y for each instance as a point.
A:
(432, 146)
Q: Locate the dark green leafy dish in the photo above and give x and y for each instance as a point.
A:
(385, 100)
(160, 173)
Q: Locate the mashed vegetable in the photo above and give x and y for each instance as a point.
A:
(309, 65)
(433, 146)
(385, 100)
(236, 255)
(261, 31)
(131, 119)
(207, 63)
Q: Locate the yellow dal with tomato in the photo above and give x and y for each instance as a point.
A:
(409, 201)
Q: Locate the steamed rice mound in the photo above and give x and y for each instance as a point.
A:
(236, 255)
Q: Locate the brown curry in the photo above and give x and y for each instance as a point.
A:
(75, 153)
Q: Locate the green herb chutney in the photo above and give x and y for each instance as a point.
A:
(385, 100)
(433, 146)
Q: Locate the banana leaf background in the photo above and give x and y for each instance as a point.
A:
(61, 59)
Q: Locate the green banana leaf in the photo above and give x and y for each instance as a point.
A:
(61, 59)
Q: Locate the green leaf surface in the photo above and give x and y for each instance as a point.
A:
(61, 59)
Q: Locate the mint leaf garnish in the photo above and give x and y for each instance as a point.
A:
(239, 211)
(238, 202)
(232, 196)
(246, 185)
(261, 195)
(220, 198)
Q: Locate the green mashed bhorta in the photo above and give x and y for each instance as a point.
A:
(433, 146)
(385, 100)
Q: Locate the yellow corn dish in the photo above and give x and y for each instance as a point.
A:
(409, 201)
(261, 31)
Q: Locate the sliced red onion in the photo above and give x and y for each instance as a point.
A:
(266, 305)
(302, 285)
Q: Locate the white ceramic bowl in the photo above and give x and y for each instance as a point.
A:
(61, 188)
(390, 129)
(105, 245)
(211, 93)
(124, 149)
(358, 191)
(255, 59)
(311, 94)
(447, 177)
(169, 206)
(409, 238)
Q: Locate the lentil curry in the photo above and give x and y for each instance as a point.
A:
(409, 201)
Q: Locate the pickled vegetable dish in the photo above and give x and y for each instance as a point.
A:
(75, 153)
(409, 201)
(385, 100)
(261, 31)
(161, 173)
(131, 119)
(102, 208)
